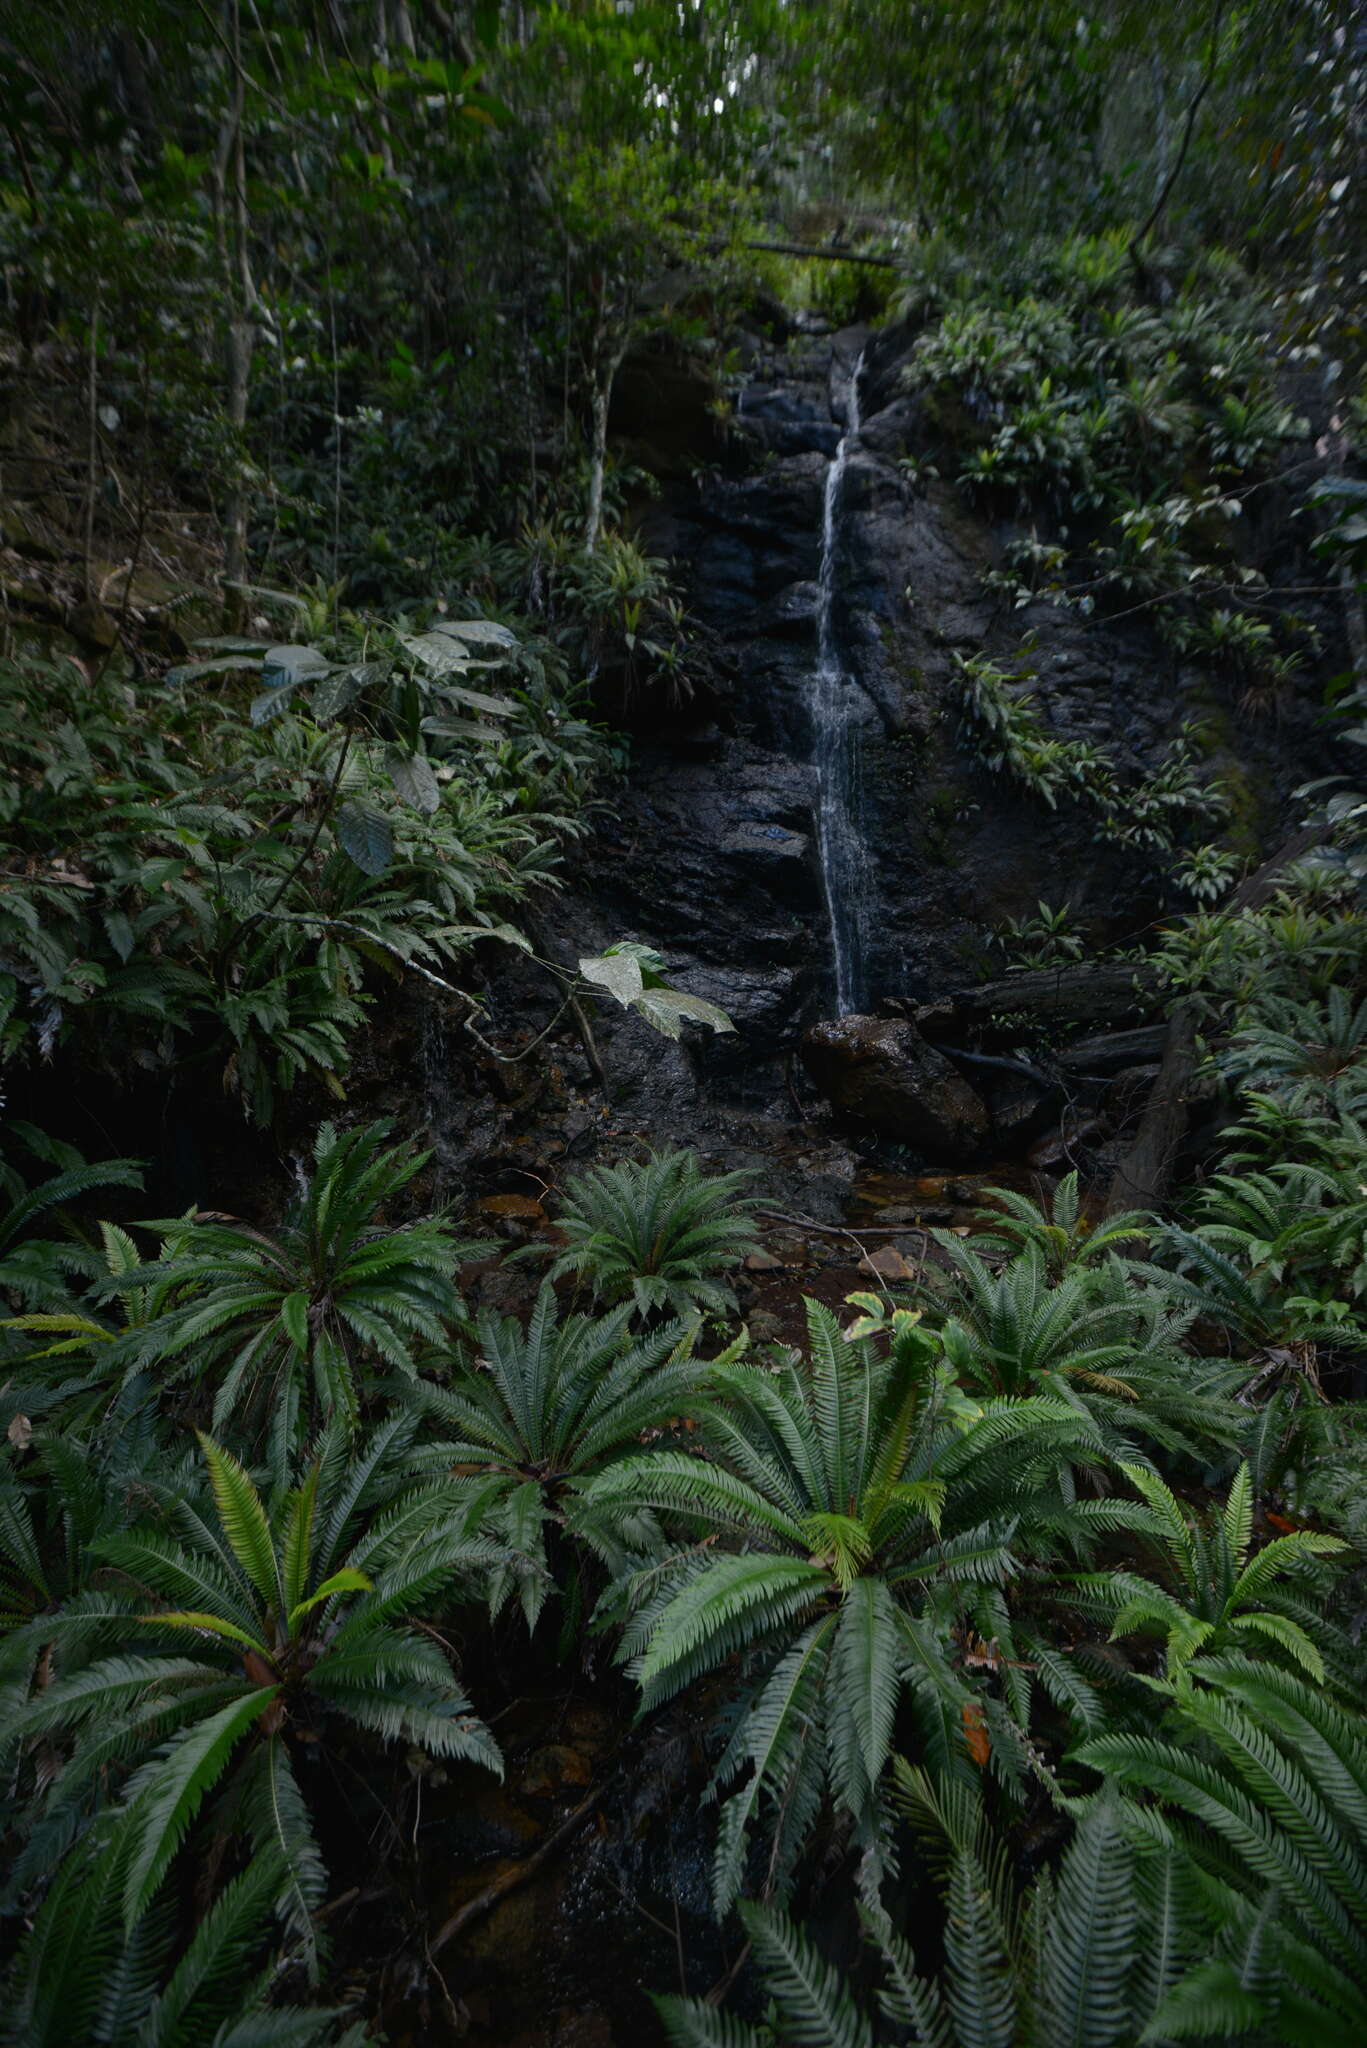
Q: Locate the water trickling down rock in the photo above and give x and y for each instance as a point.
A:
(835, 744)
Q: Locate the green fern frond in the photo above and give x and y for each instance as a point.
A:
(166, 1794)
(244, 1521)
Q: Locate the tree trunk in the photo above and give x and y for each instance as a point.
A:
(1143, 1176)
(239, 374)
(232, 227)
(609, 365)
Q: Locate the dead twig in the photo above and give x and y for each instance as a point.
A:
(518, 1873)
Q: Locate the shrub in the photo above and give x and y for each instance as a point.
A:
(297, 1325)
(869, 1508)
(657, 1234)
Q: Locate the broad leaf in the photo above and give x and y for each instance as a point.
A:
(618, 973)
(366, 836)
(668, 1009)
(292, 664)
(412, 777)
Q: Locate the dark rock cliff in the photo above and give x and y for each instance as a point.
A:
(709, 851)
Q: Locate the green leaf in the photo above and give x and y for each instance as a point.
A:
(298, 1544)
(366, 836)
(167, 1798)
(818, 2011)
(339, 691)
(438, 652)
(348, 1580)
(292, 664)
(412, 777)
(120, 933)
(668, 1009)
(270, 703)
(477, 632)
(243, 1518)
(294, 1314)
(212, 1623)
(220, 664)
(618, 973)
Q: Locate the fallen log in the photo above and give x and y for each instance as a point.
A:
(1093, 992)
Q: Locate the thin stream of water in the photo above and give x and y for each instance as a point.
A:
(835, 745)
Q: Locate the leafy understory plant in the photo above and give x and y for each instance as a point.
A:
(534, 1413)
(636, 976)
(1065, 1234)
(240, 1631)
(1088, 1956)
(1096, 1335)
(1044, 939)
(863, 1512)
(38, 1271)
(1002, 722)
(658, 1234)
(1219, 1594)
(80, 1983)
(177, 878)
(1257, 1774)
(300, 1321)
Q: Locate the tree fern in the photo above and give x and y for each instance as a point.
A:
(296, 1325)
(830, 1524)
(657, 1235)
(532, 1414)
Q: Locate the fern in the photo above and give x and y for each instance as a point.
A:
(1213, 1584)
(296, 1324)
(535, 1414)
(1262, 1762)
(1086, 1955)
(1089, 1328)
(181, 1731)
(853, 1499)
(657, 1234)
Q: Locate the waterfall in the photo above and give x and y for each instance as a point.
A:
(835, 746)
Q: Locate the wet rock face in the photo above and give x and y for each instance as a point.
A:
(709, 851)
(880, 1071)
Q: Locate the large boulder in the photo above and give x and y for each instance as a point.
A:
(881, 1071)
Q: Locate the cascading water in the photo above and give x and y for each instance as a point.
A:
(835, 746)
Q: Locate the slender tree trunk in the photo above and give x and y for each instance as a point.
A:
(382, 51)
(1160, 123)
(1141, 234)
(609, 361)
(232, 226)
(239, 366)
(93, 455)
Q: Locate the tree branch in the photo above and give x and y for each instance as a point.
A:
(1142, 234)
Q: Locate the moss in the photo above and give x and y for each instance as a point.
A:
(1214, 739)
(1246, 807)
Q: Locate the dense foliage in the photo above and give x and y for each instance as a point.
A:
(1011, 1609)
